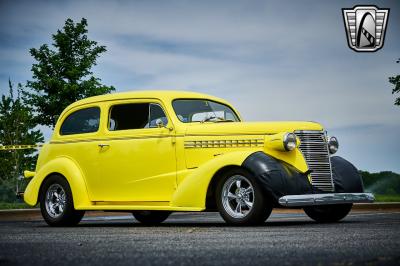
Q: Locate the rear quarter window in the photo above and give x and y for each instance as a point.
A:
(82, 121)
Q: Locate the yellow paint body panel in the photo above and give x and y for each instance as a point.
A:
(192, 190)
(66, 167)
(29, 174)
(167, 168)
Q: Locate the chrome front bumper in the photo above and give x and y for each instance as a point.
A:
(325, 199)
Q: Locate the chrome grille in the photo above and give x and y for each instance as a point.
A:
(314, 147)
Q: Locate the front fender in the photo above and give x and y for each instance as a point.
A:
(346, 176)
(276, 177)
(192, 191)
(70, 170)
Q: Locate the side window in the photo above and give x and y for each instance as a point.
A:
(135, 116)
(156, 113)
(82, 121)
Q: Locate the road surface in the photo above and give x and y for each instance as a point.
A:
(287, 238)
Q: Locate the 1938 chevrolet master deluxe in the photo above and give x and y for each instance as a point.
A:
(155, 152)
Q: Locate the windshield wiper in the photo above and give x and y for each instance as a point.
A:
(219, 119)
(224, 120)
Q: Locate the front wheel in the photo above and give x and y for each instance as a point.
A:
(240, 199)
(328, 213)
(56, 203)
(151, 217)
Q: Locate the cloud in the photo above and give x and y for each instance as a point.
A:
(273, 60)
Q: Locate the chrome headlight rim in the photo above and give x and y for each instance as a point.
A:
(333, 145)
(289, 141)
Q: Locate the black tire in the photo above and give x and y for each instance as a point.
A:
(68, 216)
(328, 213)
(261, 206)
(151, 217)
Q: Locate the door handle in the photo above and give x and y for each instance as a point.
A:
(101, 145)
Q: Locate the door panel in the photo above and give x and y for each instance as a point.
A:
(137, 168)
(135, 164)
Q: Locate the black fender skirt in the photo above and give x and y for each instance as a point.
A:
(279, 179)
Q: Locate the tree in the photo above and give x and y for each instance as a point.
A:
(384, 183)
(396, 82)
(63, 76)
(17, 127)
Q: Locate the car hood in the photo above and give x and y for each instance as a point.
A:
(251, 128)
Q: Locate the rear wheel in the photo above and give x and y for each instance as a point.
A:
(151, 217)
(240, 200)
(328, 213)
(56, 202)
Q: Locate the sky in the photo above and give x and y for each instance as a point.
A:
(273, 60)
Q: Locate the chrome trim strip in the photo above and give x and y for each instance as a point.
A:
(235, 143)
(229, 134)
(325, 199)
(112, 138)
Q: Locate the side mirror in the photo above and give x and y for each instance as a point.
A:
(159, 123)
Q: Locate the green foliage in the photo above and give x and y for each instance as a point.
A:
(16, 127)
(63, 76)
(395, 80)
(15, 205)
(7, 190)
(386, 183)
(387, 198)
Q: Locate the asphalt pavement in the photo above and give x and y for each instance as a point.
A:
(287, 238)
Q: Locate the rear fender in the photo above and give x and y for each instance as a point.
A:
(65, 167)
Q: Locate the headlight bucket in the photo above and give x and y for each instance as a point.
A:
(289, 141)
(333, 145)
(283, 141)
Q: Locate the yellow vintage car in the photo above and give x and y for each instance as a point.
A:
(156, 152)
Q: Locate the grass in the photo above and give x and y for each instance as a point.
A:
(387, 198)
(14, 205)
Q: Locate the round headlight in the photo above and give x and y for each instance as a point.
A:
(333, 145)
(289, 141)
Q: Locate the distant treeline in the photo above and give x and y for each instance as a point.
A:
(385, 183)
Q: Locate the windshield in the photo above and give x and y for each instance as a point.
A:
(200, 110)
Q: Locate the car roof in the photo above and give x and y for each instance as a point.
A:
(164, 95)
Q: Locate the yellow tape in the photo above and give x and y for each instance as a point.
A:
(19, 147)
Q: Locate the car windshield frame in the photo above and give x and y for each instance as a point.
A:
(233, 111)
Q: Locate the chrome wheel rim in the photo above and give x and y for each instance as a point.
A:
(55, 200)
(238, 196)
